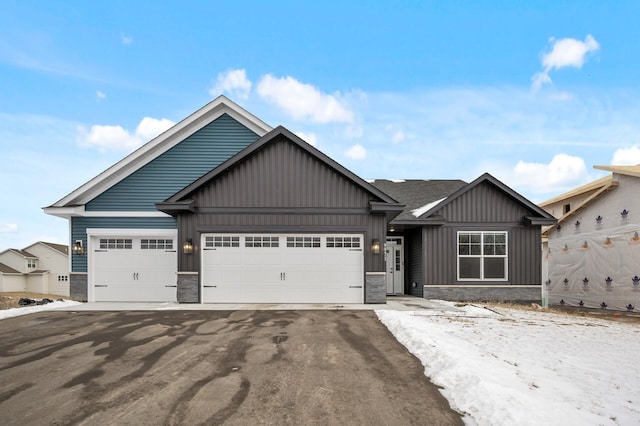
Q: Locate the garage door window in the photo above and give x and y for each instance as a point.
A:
(116, 243)
(156, 244)
(346, 242)
(310, 242)
(220, 241)
(261, 242)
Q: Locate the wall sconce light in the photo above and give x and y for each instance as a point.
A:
(375, 246)
(187, 247)
(78, 248)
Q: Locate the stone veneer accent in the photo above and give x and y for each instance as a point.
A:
(375, 287)
(479, 293)
(78, 286)
(188, 287)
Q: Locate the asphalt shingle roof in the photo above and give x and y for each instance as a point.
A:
(7, 269)
(416, 193)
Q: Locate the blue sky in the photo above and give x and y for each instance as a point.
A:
(535, 95)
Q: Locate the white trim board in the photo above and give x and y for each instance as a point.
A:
(159, 145)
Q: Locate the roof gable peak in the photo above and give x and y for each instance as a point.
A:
(161, 144)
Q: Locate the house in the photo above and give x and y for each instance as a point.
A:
(459, 241)
(224, 208)
(39, 268)
(592, 256)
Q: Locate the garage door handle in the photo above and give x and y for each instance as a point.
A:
(210, 286)
(171, 286)
(355, 249)
(101, 285)
(355, 286)
(169, 251)
(100, 251)
(208, 249)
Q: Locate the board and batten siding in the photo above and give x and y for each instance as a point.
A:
(176, 168)
(282, 189)
(483, 208)
(79, 227)
(415, 268)
(282, 175)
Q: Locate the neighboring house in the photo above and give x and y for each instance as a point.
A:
(459, 241)
(39, 268)
(592, 255)
(223, 208)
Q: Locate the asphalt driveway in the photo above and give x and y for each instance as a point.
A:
(211, 367)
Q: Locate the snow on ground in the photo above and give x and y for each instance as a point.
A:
(16, 312)
(517, 367)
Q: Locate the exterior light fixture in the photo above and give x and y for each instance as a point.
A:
(187, 247)
(78, 248)
(375, 246)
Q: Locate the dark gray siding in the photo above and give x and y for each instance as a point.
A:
(483, 208)
(484, 203)
(282, 175)
(176, 168)
(282, 189)
(415, 269)
(79, 227)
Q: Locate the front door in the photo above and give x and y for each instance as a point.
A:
(394, 254)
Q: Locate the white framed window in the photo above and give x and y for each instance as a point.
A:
(339, 242)
(221, 241)
(482, 256)
(156, 244)
(31, 263)
(261, 241)
(116, 243)
(309, 242)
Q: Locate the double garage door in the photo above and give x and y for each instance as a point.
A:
(134, 269)
(273, 268)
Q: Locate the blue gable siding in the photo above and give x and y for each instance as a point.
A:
(79, 227)
(176, 168)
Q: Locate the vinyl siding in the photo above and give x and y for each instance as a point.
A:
(79, 227)
(283, 176)
(415, 269)
(484, 208)
(176, 168)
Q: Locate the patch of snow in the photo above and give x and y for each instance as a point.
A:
(516, 367)
(422, 210)
(397, 180)
(370, 180)
(16, 312)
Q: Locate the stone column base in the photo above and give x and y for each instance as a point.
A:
(188, 287)
(375, 290)
(78, 286)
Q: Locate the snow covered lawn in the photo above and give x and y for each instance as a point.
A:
(15, 312)
(518, 367)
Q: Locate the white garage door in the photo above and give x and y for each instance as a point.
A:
(134, 269)
(267, 268)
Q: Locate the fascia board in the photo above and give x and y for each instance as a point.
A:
(161, 144)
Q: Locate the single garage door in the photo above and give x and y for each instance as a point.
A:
(134, 269)
(268, 268)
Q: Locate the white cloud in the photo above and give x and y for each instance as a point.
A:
(356, 152)
(303, 101)
(100, 96)
(397, 137)
(8, 227)
(118, 138)
(126, 40)
(233, 82)
(563, 172)
(626, 156)
(310, 138)
(566, 52)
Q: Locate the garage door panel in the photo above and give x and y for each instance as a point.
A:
(292, 269)
(134, 269)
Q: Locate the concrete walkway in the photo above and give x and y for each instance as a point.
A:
(396, 303)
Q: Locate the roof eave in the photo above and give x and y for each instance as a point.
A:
(159, 145)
